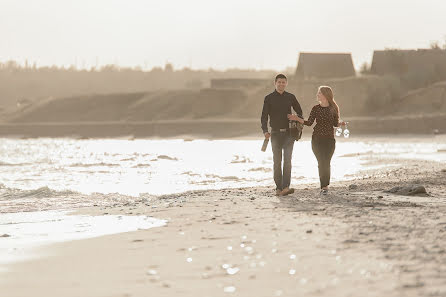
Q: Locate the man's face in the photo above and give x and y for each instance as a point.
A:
(281, 84)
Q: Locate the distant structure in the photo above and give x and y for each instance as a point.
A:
(324, 65)
(238, 83)
(402, 62)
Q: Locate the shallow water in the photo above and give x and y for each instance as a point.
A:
(43, 174)
(28, 230)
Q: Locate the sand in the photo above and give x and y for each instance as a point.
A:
(360, 241)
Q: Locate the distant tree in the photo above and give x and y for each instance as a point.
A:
(435, 45)
(168, 67)
(365, 68)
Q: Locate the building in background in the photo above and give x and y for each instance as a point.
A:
(324, 65)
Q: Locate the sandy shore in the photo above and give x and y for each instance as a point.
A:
(360, 241)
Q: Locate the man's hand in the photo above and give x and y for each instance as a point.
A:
(267, 135)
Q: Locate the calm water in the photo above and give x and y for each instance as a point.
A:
(44, 174)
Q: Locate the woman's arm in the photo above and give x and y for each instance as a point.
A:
(311, 118)
(293, 117)
(336, 122)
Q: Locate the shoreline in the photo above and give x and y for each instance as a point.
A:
(213, 128)
(354, 239)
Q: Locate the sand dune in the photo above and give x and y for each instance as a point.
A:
(365, 101)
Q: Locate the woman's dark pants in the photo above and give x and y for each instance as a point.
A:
(323, 149)
(282, 141)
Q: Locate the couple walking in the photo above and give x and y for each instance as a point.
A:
(277, 107)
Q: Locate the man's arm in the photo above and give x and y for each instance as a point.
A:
(297, 108)
(264, 117)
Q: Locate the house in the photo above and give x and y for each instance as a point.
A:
(431, 62)
(324, 65)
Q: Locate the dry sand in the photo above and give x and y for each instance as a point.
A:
(247, 242)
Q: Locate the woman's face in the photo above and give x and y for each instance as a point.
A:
(320, 97)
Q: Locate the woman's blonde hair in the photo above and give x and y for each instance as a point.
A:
(328, 93)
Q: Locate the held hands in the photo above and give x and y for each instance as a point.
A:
(267, 135)
(293, 117)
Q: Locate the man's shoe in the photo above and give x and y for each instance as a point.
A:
(287, 191)
(278, 192)
(324, 192)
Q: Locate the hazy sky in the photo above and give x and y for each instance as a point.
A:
(205, 33)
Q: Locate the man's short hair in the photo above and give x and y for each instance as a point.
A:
(280, 76)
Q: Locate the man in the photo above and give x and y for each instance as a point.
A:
(277, 106)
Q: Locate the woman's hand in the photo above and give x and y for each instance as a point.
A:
(293, 117)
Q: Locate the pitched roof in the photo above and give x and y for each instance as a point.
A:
(324, 65)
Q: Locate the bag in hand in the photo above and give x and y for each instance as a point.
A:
(296, 130)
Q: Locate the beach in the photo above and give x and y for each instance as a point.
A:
(360, 239)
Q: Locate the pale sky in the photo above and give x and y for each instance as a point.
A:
(204, 33)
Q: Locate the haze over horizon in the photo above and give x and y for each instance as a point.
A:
(201, 34)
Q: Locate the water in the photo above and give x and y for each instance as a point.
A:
(32, 229)
(45, 174)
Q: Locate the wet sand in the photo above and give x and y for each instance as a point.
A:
(357, 241)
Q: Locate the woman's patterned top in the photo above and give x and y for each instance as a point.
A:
(326, 118)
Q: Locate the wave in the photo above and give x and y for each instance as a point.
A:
(141, 165)
(261, 169)
(164, 157)
(13, 164)
(239, 159)
(42, 192)
(94, 164)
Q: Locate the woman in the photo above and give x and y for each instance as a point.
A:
(326, 114)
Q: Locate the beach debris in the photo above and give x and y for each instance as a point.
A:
(229, 248)
(292, 256)
(229, 289)
(225, 266)
(309, 231)
(5, 235)
(189, 259)
(408, 190)
(274, 251)
(352, 187)
(292, 272)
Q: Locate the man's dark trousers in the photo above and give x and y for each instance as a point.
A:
(282, 141)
